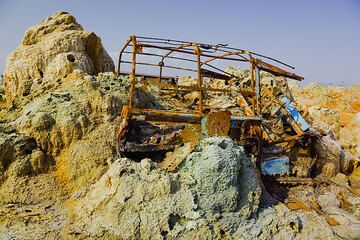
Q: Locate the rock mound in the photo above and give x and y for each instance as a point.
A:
(50, 51)
(222, 177)
(350, 136)
(214, 190)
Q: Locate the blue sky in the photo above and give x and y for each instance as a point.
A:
(321, 38)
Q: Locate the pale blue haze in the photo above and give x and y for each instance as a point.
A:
(320, 37)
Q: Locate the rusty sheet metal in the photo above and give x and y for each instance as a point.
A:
(143, 136)
(174, 159)
(123, 126)
(216, 123)
(167, 86)
(192, 133)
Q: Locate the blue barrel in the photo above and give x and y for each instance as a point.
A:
(275, 166)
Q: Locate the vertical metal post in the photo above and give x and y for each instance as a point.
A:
(258, 90)
(120, 55)
(252, 86)
(119, 63)
(160, 73)
(199, 82)
(133, 65)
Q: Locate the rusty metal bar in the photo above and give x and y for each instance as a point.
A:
(120, 55)
(188, 52)
(252, 82)
(261, 55)
(160, 72)
(195, 116)
(197, 88)
(176, 48)
(199, 80)
(276, 71)
(157, 65)
(224, 55)
(133, 69)
(258, 91)
(171, 57)
(243, 103)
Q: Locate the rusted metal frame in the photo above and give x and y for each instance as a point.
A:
(276, 71)
(133, 72)
(214, 47)
(176, 42)
(120, 54)
(156, 65)
(177, 48)
(161, 63)
(189, 52)
(199, 80)
(225, 55)
(261, 55)
(196, 88)
(222, 47)
(184, 59)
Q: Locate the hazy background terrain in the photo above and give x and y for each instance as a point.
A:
(321, 38)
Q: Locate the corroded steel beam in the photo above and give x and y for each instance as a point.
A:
(276, 71)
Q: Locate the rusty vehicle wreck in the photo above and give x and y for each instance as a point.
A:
(146, 128)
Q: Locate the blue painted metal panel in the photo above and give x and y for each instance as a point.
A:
(186, 115)
(275, 166)
(295, 114)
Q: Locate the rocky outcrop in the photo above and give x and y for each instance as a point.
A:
(326, 121)
(223, 178)
(350, 136)
(277, 85)
(215, 185)
(332, 159)
(50, 51)
(19, 155)
(144, 203)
